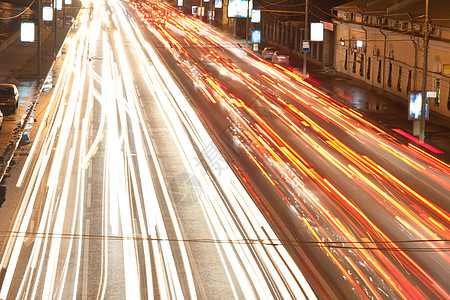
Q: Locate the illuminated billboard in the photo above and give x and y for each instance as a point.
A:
(195, 11)
(415, 106)
(256, 36)
(256, 15)
(218, 4)
(239, 8)
(27, 32)
(47, 13)
(316, 32)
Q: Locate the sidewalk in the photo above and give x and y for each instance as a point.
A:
(388, 110)
(18, 65)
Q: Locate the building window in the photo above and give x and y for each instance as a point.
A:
(368, 67)
(379, 72)
(389, 81)
(346, 58)
(448, 98)
(361, 66)
(408, 84)
(437, 100)
(399, 81)
(354, 62)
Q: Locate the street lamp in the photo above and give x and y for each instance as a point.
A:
(306, 37)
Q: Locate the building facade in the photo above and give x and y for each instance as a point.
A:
(381, 42)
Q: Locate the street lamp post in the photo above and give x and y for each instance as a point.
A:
(424, 77)
(305, 37)
(39, 55)
(54, 28)
(246, 21)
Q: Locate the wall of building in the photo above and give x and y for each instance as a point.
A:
(392, 60)
(289, 36)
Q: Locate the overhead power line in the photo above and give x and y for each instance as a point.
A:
(18, 15)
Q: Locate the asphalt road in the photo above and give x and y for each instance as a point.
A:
(122, 193)
(370, 212)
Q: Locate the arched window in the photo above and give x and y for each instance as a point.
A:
(437, 65)
(390, 52)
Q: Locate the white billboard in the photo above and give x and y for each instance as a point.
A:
(218, 4)
(27, 32)
(256, 16)
(316, 32)
(195, 11)
(239, 8)
(47, 13)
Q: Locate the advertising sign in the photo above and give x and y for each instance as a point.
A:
(446, 69)
(256, 36)
(218, 4)
(47, 13)
(195, 11)
(67, 2)
(180, 2)
(305, 46)
(415, 106)
(256, 15)
(238, 8)
(59, 4)
(27, 32)
(327, 26)
(317, 32)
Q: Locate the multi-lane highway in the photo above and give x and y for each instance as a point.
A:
(123, 192)
(368, 212)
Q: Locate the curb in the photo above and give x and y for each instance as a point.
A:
(9, 41)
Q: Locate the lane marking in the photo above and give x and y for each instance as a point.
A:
(84, 290)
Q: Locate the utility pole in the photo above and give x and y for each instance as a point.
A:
(39, 54)
(246, 21)
(211, 11)
(54, 29)
(64, 13)
(200, 12)
(424, 76)
(306, 37)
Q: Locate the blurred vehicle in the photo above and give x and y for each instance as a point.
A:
(9, 96)
(280, 57)
(267, 52)
(69, 20)
(1, 119)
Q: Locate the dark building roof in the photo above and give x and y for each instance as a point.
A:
(401, 9)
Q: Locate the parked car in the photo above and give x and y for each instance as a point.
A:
(280, 57)
(69, 20)
(9, 96)
(1, 119)
(267, 52)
